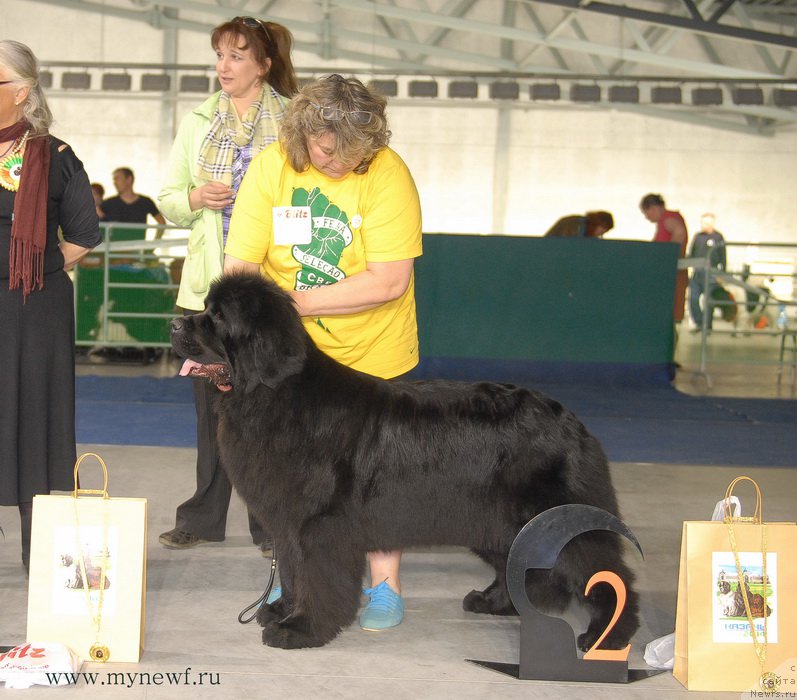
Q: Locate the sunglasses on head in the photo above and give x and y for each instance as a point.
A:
(253, 23)
(333, 114)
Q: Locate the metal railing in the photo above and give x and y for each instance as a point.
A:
(126, 288)
(761, 279)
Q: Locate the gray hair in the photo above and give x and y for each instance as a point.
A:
(23, 68)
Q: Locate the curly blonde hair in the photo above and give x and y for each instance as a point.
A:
(353, 142)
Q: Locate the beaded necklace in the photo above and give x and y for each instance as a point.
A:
(98, 651)
(11, 164)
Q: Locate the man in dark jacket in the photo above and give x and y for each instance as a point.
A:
(709, 245)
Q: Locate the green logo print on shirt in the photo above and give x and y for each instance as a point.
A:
(331, 234)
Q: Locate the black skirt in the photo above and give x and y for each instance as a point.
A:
(37, 403)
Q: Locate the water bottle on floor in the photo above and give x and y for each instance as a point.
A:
(783, 320)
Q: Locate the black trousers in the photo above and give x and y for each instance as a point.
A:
(205, 513)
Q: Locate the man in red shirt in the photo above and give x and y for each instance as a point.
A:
(670, 228)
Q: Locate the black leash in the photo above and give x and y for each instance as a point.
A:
(262, 599)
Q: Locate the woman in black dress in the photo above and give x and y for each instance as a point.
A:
(43, 187)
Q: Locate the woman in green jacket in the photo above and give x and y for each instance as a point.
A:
(213, 148)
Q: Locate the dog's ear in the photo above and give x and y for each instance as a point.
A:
(272, 356)
(262, 332)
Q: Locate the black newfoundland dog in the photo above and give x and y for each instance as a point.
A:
(337, 463)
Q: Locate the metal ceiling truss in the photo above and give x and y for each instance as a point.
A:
(692, 19)
(713, 40)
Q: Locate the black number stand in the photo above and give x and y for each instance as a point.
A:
(548, 644)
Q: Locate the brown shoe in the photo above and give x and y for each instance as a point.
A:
(179, 539)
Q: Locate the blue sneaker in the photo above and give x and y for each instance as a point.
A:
(276, 594)
(385, 608)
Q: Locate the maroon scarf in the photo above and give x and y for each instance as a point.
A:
(29, 224)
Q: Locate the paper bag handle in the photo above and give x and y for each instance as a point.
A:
(93, 492)
(758, 514)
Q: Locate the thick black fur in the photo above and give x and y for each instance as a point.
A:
(336, 463)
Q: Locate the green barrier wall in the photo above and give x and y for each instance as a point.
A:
(546, 299)
(89, 292)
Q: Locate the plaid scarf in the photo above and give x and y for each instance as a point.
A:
(258, 126)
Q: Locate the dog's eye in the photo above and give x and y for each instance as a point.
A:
(217, 315)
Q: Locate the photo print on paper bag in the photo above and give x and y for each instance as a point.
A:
(728, 611)
(99, 547)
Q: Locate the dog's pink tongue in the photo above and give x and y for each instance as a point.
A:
(188, 365)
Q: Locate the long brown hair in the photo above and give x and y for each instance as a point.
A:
(596, 220)
(267, 40)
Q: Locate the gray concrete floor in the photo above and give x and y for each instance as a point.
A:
(194, 596)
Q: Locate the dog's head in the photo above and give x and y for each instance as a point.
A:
(249, 335)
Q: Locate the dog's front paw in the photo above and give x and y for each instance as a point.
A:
(475, 602)
(587, 640)
(265, 614)
(269, 612)
(288, 636)
(488, 603)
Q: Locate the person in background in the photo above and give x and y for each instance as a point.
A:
(129, 207)
(670, 228)
(349, 269)
(594, 224)
(43, 188)
(708, 244)
(98, 192)
(213, 149)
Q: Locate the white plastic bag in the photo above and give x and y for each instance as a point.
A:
(660, 653)
(735, 507)
(39, 664)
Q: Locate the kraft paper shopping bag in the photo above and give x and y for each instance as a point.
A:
(87, 584)
(736, 600)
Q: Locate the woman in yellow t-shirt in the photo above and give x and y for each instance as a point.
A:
(332, 215)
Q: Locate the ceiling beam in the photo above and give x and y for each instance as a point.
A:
(734, 123)
(475, 58)
(763, 51)
(694, 24)
(528, 36)
(557, 55)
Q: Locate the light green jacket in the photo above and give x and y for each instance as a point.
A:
(205, 256)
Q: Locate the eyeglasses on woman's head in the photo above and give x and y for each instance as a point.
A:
(254, 23)
(333, 114)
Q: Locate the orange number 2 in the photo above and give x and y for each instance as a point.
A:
(595, 654)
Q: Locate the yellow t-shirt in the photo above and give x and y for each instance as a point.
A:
(306, 230)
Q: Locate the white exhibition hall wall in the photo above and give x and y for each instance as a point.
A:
(479, 169)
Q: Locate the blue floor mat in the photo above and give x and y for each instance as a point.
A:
(135, 411)
(635, 422)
